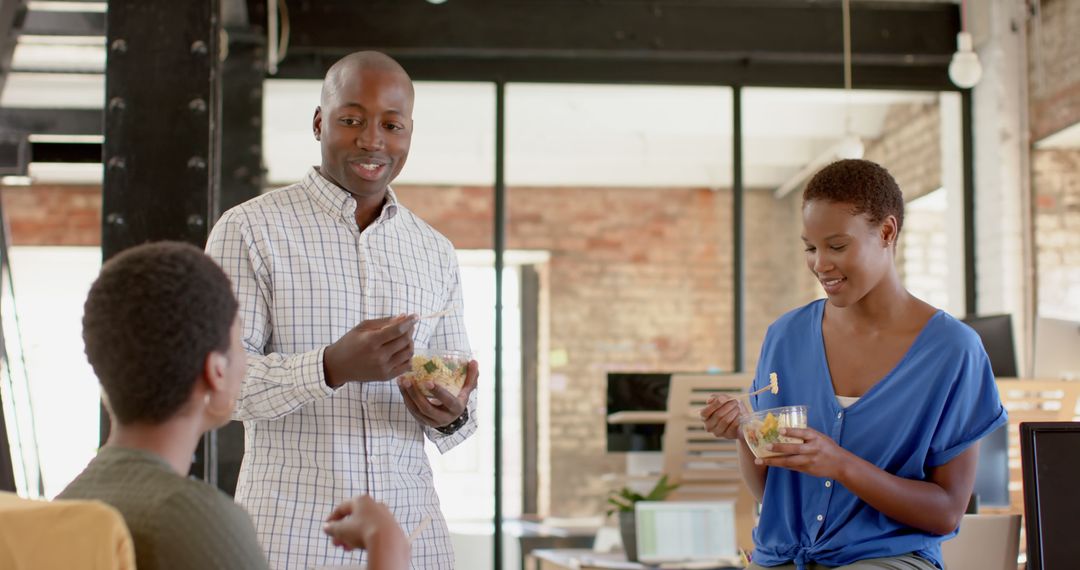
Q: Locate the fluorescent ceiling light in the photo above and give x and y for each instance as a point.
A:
(40, 138)
(15, 180)
(68, 6)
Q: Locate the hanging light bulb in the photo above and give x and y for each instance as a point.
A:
(851, 146)
(965, 69)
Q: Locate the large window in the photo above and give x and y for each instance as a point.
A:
(628, 189)
(50, 286)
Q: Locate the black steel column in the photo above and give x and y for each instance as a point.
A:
(242, 114)
(500, 249)
(970, 273)
(737, 246)
(242, 177)
(162, 114)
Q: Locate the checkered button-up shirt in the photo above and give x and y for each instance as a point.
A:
(304, 275)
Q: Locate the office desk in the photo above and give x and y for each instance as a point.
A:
(532, 536)
(582, 559)
(577, 558)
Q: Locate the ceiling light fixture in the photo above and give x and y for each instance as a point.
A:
(964, 69)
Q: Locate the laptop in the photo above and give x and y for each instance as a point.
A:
(686, 532)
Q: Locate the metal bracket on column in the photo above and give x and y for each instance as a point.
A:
(14, 154)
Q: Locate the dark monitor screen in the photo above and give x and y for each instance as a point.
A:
(1050, 458)
(997, 338)
(1056, 354)
(636, 391)
(992, 473)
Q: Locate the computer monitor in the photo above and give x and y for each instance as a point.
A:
(996, 333)
(1057, 349)
(636, 391)
(992, 472)
(1048, 452)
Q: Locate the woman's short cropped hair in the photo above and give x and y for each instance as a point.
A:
(866, 186)
(151, 318)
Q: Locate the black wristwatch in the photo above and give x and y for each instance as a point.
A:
(452, 427)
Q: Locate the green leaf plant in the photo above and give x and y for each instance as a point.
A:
(623, 500)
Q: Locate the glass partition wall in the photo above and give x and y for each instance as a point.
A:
(628, 191)
(649, 229)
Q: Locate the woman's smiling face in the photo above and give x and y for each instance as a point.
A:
(847, 253)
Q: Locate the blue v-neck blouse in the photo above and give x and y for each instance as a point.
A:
(939, 400)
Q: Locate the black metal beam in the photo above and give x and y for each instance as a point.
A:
(49, 23)
(242, 178)
(760, 42)
(52, 121)
(499, 239)
(923, 74)
(161, 130)
(737, 231)
(795, 28)
(242, 112)
(967, 122)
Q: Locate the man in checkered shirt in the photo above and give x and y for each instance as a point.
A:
(332, 274)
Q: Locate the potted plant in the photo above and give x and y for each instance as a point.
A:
(623, 501)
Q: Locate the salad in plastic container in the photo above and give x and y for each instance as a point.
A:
(759, 429)
(446, 368)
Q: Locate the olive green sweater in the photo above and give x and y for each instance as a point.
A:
(176, 523)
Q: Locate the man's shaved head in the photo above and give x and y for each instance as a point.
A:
(364, 123)
(353, 64)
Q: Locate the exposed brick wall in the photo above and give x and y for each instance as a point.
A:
(53, 215)
(911, 148)
(1054, 68)
(638, 279)
(777, 279)
(923, 258)
(1056, 186)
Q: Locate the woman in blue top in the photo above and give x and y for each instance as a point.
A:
(898, 394)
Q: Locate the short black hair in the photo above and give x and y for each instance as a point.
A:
(152, 316)
(866, 185)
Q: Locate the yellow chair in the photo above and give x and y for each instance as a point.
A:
(707, 468)
(62, 534)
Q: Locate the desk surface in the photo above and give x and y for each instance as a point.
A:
(572, 558)
(583, 559)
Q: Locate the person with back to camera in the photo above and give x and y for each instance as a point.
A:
(898, 395)
(162, 333)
